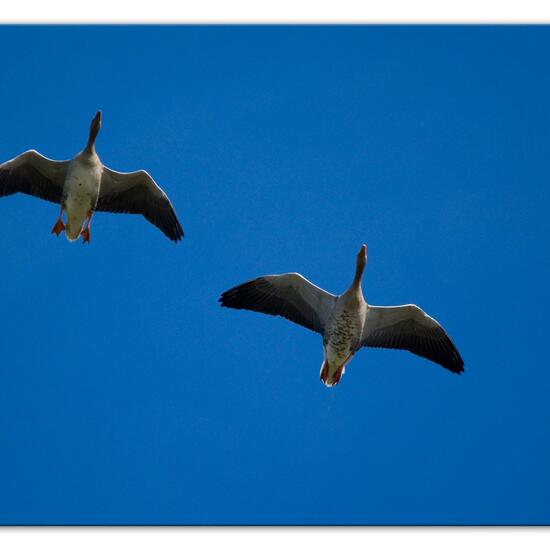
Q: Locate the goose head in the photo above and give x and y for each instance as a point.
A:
(94, 130)
(360, 266)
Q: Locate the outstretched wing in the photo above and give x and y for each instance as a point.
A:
(408, 327)
(35, 175)
(290, 295)
(137, 193)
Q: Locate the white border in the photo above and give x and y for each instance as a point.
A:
(282, 11)
(254, 538)
(277, 11)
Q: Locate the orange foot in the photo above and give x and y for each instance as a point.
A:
(85, 234)
(58, 228)
(338, 374)
(324, 372)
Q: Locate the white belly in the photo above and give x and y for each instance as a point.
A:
(82, 188)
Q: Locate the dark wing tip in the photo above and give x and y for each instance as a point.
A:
(433, 344)
(139, 199)
(459, 365)
(455, 368)
(164, 217)
(452, 359)
(176, 233)
(240, 296)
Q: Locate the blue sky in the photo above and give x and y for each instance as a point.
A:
(127, 395)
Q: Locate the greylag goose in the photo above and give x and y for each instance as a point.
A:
(346, 322)
(84, 185)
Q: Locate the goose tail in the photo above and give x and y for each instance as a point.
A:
(331, 377)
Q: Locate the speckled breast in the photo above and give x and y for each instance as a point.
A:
(342, 336)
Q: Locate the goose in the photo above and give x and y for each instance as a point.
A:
(84, 185)
(346, 322)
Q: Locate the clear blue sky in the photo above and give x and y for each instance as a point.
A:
(127, 395)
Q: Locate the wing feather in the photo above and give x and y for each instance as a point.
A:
(137, 193)
(289, 295)
(33, 174)
(408, 328)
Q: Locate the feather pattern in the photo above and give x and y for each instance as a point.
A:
(408, 328)
(289, 295)
(33, 174)
(137, 193)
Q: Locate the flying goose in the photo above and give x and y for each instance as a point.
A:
(346, 322)
(84, 185)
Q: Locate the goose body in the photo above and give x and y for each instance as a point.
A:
(346, 322)
(80, 192)
(84, 185)
(342, 335)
